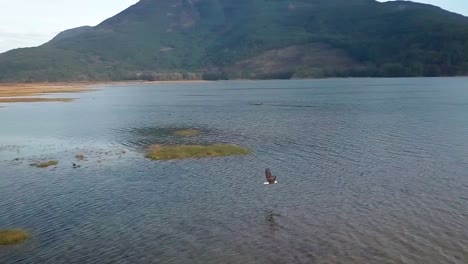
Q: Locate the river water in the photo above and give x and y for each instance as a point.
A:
(369, 171)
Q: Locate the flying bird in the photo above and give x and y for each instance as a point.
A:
(269, 177)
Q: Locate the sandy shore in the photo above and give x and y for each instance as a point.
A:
(33, 100)
(30, 92)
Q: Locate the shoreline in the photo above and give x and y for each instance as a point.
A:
(32, 92)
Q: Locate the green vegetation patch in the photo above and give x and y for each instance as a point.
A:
(47, 164)
(187, 133)
(158, 152)
(12, 237)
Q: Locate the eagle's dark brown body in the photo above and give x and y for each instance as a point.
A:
(269, 177)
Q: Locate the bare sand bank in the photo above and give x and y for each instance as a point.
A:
(31, 92)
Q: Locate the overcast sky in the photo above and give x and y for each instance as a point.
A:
(27, 23)
(457, 6)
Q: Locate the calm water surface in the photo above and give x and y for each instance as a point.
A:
(370, 171)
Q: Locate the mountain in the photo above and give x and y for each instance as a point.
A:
(71, 33)
(254, 39)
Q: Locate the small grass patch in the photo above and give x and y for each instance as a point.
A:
(47, 164)
(13, 236)
(158, 152)
(187, 133)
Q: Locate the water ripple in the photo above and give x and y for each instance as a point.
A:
(369, 170)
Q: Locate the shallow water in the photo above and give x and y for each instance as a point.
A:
(369, 170)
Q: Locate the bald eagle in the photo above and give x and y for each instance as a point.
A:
(269, 177)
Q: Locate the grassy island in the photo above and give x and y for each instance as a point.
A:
(13, 236)
(158, 152)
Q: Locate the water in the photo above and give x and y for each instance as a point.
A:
(369, 170)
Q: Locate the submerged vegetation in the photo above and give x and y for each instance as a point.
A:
(13, 236)
(187, 132)
(158, 152)
(47, 164)
(80, 157)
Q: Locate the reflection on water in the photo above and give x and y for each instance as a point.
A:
(271, 219)
(372, 171)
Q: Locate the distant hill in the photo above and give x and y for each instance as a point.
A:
(71, 33)
(253, 39)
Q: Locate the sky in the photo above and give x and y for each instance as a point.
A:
(29, 23)
(457, 6)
